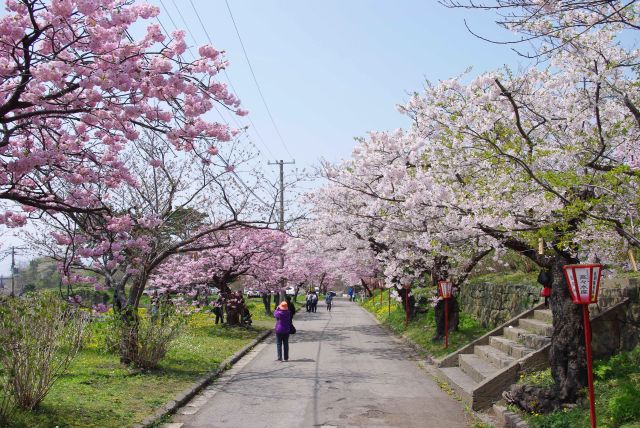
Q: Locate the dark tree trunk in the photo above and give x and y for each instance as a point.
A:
(127, 308)
(454, 318)
(567, 355)
(266, 301)
(366, 288)
(410, 307)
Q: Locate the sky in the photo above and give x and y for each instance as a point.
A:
(333, 70)
(330, 70)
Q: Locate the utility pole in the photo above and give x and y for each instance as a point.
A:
(281, 164)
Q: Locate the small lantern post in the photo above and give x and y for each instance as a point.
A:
(584, 282)
(445, 288)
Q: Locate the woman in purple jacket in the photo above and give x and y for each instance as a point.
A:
(283, 327)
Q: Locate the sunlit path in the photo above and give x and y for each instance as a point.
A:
(344, 370)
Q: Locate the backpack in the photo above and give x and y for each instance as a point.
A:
(314, 298)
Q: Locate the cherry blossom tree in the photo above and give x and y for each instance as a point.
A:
(77, 89)
(179, 199)
(222, 258)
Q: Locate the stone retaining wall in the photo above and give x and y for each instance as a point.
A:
(618, 330)
(494, 304)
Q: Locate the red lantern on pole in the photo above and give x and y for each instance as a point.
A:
(446, 292)
(584, 283)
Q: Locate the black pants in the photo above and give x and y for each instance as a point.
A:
(282, 340)
(219, 317)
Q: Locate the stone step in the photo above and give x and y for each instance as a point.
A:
(510, 347)
(459, 381)
(536, 326)
(493, 355)
(543, 315)
(477, 368)
(530, 340)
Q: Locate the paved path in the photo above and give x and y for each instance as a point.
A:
(344, 371)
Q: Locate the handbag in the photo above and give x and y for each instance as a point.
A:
(292, 330)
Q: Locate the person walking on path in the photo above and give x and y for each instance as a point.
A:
(350, 293)
(314, 301)
(283, 327)
(328, 299)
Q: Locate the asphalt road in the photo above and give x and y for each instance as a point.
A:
(344, 371)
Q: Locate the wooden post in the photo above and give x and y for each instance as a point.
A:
(406, 306)
(632, 259)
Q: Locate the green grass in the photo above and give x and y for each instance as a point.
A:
(423, 328)
(97, 391)
(617, 393)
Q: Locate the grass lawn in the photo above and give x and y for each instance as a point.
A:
(617, 392)
(422, 329)
(98, 391)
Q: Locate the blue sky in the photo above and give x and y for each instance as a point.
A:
(332, 70)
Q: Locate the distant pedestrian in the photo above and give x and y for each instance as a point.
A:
(350, 293)
(328, 299)
(308, 298)
(314, 302)
(283, 328)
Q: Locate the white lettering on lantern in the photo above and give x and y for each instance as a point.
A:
(583, 281)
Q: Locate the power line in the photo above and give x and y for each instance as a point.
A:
(253, 126)
(224, 161)
(166, 10)
(255, 80)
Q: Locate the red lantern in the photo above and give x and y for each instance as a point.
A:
(584, 282)
(446, 289)
(446, 292)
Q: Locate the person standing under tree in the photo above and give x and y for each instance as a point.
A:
(218, 309)
(282, 329)
(314, 301)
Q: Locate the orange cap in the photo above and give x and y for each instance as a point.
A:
(283, 306)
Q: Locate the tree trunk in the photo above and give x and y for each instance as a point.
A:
(266, 301)
(410, 307)
(130, 320)
(366, 288)
(454, 318)
(567, 355)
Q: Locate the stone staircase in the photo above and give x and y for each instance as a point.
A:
(480, 371)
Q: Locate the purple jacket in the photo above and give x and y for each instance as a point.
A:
(283, 321)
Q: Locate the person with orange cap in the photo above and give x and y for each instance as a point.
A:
(283, 328)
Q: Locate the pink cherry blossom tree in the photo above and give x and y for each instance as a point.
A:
(77, 89)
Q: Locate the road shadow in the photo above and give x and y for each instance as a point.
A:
(316, 336)
(368, 330)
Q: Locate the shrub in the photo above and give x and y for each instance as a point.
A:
(39, 336)
(146, 340)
